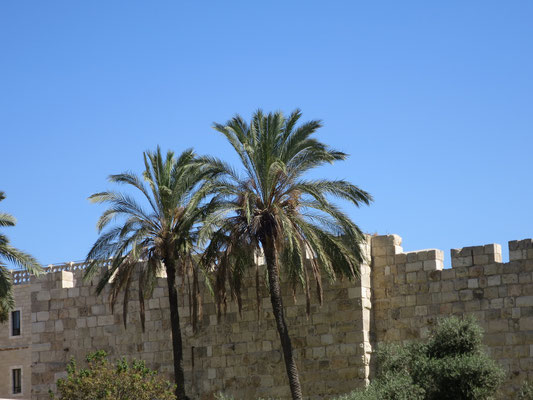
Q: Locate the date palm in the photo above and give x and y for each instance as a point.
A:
(12, 255)
(274, 208)
(163, 237)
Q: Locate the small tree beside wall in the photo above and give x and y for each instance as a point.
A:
(102, 380)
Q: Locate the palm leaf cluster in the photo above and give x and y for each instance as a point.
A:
(200, 212)
(162, 235)
(10, 254)
(274, 208)
(159, 235)
(273, 202)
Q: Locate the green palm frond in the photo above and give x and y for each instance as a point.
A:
(174, 189)
(7, 220)
(20, 258)
(274, 200)
(14, 256)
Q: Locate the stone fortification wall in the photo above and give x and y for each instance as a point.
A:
(398, 297)
(412, 290)
(15, 351)
(239, 355)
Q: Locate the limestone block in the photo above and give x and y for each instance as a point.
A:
(401, 258)
(43, 295)
(526, 323)
(524, 301)
(58, 326)
(414, 266)
(105, 320)
(448, 274)
(385, 240)
(473, 283)
(37, 327)
(421, 310)
(43, 316)
(494, 280)
(516, 255)
(449, 297)
(492, 269)
(411, 277)
(462, 261)
(460, 284)
(466, 295)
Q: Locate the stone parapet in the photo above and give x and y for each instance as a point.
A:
(414, 291)
(398, 297)
(240, 354)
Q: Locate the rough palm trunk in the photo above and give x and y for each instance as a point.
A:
(177, 347)
(271, 259)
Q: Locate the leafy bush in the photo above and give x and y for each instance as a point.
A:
(451, 365)
(222, 396)
(455, 364)
(102, 380)
(392, 386)
(526, 391)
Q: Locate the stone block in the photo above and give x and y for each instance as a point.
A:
(414, 266)
(524, 301)
(411, 277)
(433, 265)
(526, 324)
(412, 257)
(104, 320)
(494, 280)
(462, 261)
(448, 274)
(43, 316)
(473, 283)
(401, 258)
(421, 310)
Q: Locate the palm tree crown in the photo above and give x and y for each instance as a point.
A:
(164, 237)
(10, 254)
(273, 207)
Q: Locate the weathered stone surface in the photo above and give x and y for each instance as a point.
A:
(398, 297)
(497, 294)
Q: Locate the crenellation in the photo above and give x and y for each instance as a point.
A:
(521, 249)
(497, 294)
(476, 255)
(398, 297)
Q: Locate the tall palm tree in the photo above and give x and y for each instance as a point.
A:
(272, 207)
(10, 254)
(163, 237)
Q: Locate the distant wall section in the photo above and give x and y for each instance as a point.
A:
(412, 290)
(15, 351)
(398, 297)
(240, 355)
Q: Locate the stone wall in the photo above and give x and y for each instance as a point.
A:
(398, 297)
(15, 351)
(239, 355)
(412, 290)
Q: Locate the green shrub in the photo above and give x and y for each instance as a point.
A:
(222, 396)
(393, 386)
(450, 365)
(526, 391)
(455, 336)
(101, 380)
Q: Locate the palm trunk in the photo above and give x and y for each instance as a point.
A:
(177, 347)
(271, 259)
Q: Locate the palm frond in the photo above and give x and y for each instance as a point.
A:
(277, 203)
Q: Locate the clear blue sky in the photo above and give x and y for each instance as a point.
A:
(433, 100)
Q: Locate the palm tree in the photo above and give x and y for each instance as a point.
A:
(164, 237)
(273, 208)
(10, 254)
